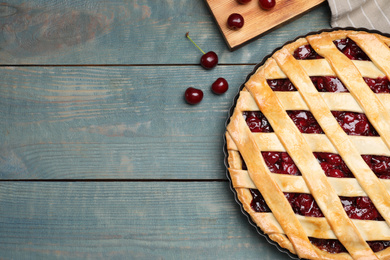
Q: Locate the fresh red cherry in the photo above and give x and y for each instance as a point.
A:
(235, 21)
(193, 95)
(220, 86)
(243, 1)
(208, 60)
(267, 4)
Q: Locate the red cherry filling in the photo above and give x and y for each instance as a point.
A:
(377, 246)
(306, 52)
(351, 49)
(322, 84)
(333, 165)
(354, 123)
(328, 84)
(302, 204)
(346, 46)
(305, 205)
(257, 122)
(380, 165)
(258, 203)
(360, 208)
(280, 162)
(281, 85)
(331, 84)
(334, 246)
(304, 120)
(378, 85)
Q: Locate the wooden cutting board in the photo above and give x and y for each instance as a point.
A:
(257, 20)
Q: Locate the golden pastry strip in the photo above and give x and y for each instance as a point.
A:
(293, 101)
(260, 175)
(319, 227)
(375, 112)
(321, 67)
(377, 50)
(348, 187)
(300, 152)
(369, 145)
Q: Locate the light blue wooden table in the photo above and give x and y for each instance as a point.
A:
(100, 156)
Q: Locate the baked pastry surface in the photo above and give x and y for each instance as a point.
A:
(253, 151)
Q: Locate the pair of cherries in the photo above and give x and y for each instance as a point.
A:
(208, 61)
(236, 21)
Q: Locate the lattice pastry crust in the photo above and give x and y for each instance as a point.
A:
(288, 229)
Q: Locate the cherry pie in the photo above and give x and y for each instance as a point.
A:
(308, 146)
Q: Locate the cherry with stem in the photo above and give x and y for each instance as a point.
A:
(208, 60)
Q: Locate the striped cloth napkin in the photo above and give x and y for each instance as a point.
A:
(370, 14)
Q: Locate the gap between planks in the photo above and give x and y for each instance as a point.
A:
(121, 65)
(114, 180)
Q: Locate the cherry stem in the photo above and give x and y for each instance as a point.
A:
(194, 43)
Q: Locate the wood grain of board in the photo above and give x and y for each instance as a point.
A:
(257, 20)
(127, 32)
(120, 122)
(126, 220)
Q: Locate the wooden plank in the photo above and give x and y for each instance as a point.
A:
(257, 21)
(113, 122)
(127, 32)
(131, 220)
